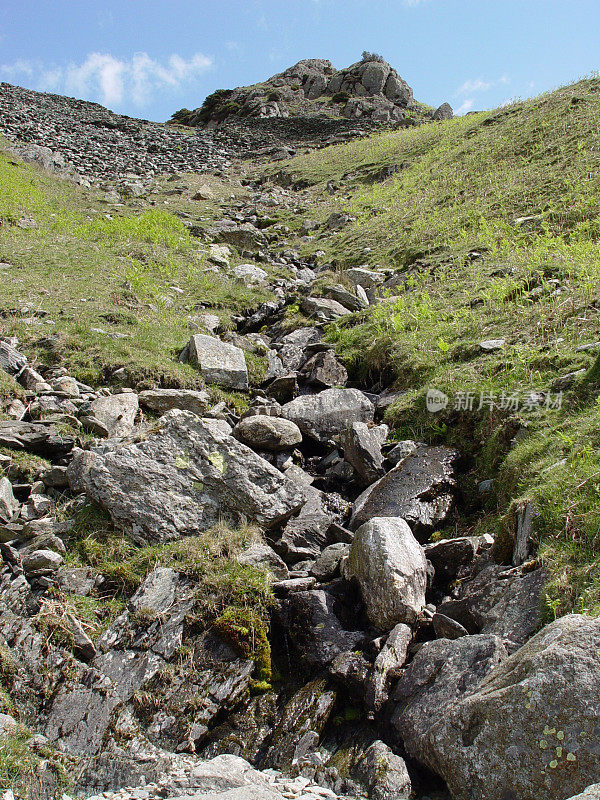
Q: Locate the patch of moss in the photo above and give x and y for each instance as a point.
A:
(247, 633)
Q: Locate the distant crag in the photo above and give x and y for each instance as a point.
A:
(368, 90)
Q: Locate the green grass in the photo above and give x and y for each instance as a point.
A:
(96, 291)
(20, 767)
(445, 224)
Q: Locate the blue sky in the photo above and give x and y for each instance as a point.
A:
(148, 58)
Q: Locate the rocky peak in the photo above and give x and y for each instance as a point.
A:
(369, 89)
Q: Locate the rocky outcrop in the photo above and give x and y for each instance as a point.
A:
(369, 89)
(183, 476)
(529, 731)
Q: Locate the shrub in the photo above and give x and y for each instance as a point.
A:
(366, 56)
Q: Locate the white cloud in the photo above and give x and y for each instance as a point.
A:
(18, 67)
(479, 85)
(465, 107)
(104, 77)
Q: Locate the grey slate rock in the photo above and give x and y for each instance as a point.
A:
(264, 557)
(185, 475)
(268, 433)
(362, 449)
(529, 730)
(9, 505)
(162, 400)
(41, 439)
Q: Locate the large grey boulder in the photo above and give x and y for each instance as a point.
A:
(419, 489)
(390, 567)
(327, 414)
(219, 362)
(161, 400)
(9, 505)
(184, 476)
(268, 433)
(324, 309)
(441, 673)
(530, 731)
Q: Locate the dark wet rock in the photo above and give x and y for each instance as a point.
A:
(41, 439)
(327, 414)
(306, 713)
(306, 534)
(390, 567)
(312, 623)
(419, 489)
(449, 555)
(351, 670)
(9, 505)
(323, 369)
(529, 730)
(327, 564)
(499, 601)
(442, 672)
(185, 475)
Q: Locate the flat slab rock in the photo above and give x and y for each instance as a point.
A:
(38, 438)
(183, 477)
(419, 489)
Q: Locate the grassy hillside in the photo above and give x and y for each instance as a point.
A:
(468, 269)
(98, 285)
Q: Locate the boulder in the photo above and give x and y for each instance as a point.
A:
(390, 567)
(443, 112)
(327, 564)
(268, 433)
(419, 489)
(304, 717)
(9, 505)
(529, 730)
(305, 535)
(245, 237)
(441, 673)
(11, 360)
(312, 623)
(42, 561)
(362, 449)
(323, 308)
(327, 414)
(323, 369)
(449, 555)
(250, 274)
(293, 346)
(383, 774)
(114, 414)
(499, 601)
(184, 476)
(161, 400)
(388, 664)
(219, 362)
(591, 793)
